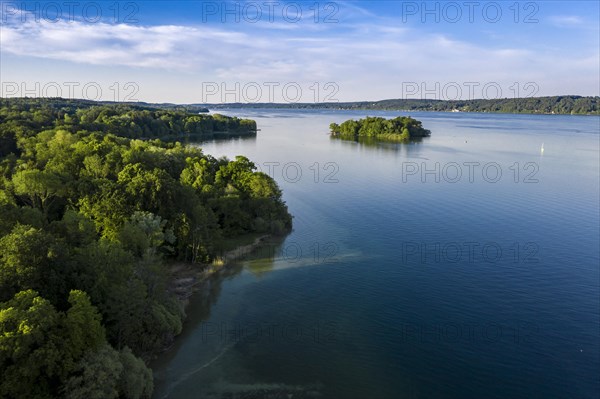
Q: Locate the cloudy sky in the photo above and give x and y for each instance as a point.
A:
(288, 51)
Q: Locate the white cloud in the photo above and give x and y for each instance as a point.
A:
(566, 20)
(367, 61)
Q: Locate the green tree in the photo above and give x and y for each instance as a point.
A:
(96, 376)
(30, 258)
(83, 327)
(136, 380)
(145, 233)
(31, 358)
(40, 346)
(39, 188)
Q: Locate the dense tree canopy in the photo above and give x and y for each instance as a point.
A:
(88, 217)
(400, 129)
(23, 117)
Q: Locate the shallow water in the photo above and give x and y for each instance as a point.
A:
(465, 265)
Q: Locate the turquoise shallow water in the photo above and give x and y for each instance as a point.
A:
(465, 265)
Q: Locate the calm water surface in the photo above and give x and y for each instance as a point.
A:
(462, 266)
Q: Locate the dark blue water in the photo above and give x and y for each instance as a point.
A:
(462, 266)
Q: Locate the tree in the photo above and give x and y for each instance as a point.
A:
(136, 380)
(83, 327)
(45, 353)
(198, 173)
(196, 230)
(77, 229)
(405, 134)
(30, 258)
(96, 376)
(40, 188)
(145, 233)
(31, 361)
(8, 143)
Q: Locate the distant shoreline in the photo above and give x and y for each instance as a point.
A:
(408, 110)
(553, 105)
(550, 105)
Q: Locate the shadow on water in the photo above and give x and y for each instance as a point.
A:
(409, 149)
(258, 262)
(217, 137)
(239, 138)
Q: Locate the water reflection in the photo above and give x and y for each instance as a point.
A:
(217, 137)
(231, 138)
(411, 149)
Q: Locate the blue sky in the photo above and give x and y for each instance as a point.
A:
(287, 51)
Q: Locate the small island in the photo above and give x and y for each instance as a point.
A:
(399, 129)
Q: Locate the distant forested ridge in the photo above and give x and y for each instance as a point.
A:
(576, 105)
(400, 129)
(88, 217)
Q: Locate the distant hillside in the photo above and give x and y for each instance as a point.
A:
(565, 105)
(65, 103)
(534, 105)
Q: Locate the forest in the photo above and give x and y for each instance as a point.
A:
(570, 105)
(90, 214)
(125, 120)
(399, 129)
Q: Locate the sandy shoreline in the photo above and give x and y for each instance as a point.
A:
(187, 278)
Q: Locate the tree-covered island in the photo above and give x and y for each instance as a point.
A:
(399, 129)
(89, 216)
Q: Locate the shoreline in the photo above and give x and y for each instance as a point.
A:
(184, 279)
(410, 110)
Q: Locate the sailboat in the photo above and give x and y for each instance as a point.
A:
(542, 149)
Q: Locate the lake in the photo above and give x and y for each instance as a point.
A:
(462, 266)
